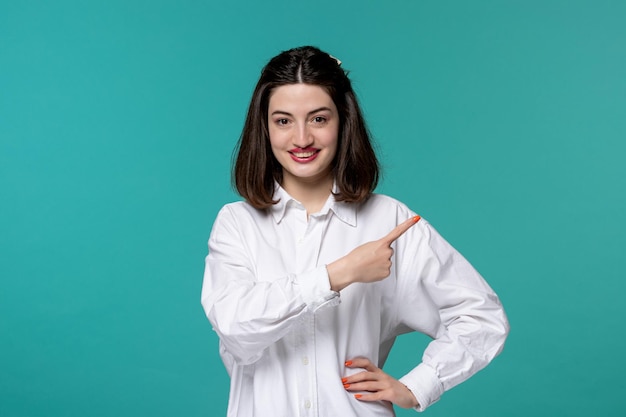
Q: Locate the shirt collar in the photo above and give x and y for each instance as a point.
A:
(346, 212)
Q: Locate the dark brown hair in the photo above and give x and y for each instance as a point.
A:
(355, 167)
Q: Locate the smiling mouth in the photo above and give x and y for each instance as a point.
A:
(303, 154)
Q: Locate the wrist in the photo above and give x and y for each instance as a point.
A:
(337, 275)
(414, 402)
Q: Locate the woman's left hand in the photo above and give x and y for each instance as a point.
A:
(378, 385)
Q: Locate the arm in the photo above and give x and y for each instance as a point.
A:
(441, 294)
(438, 293)
(248, 313)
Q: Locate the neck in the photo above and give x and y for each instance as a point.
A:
(312, 195)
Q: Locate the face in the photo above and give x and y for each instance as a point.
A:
(303, 127)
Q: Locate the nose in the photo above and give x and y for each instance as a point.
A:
(303, 137)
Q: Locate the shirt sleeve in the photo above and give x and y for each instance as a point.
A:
(247, 312)
(442, 295)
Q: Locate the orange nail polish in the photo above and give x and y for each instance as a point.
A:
(344, 380)
(348, 363)
(346, 386)
(357, 396)
(416, 219)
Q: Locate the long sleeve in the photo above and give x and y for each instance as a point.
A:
(464, 315)
(250, 312)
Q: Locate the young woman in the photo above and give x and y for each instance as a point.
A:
(311, 278)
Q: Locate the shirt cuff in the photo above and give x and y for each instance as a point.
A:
(315, 288)
(424, 384)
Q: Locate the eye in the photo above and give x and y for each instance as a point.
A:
(282, 122)
(319, 119)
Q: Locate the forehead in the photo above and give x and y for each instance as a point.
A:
(299, 97)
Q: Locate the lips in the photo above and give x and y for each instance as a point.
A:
(303, 155)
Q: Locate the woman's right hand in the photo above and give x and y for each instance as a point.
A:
(369, 262)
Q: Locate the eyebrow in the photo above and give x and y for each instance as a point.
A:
(324, 108)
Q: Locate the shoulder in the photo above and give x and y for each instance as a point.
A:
(388, 212)
(235, 207)
(238, 215)
(383, 213)
(381, 203)
(241, 210)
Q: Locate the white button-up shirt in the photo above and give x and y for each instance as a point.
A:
(285, 335)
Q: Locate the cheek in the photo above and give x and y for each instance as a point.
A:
(274, 137)
(332, 139)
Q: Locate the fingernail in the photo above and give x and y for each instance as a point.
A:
(348, 363)
(344, 380)
(416, 219)
(357, 396)
(346, 386)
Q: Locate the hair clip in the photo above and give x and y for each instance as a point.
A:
(338, 61)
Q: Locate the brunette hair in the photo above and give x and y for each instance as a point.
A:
(355, 167)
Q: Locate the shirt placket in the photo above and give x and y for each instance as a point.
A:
(307, 251)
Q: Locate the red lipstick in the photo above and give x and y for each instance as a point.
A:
(304, 155)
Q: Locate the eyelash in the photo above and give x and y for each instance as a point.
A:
(316, 119)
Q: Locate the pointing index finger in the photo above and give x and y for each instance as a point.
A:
(400, 229)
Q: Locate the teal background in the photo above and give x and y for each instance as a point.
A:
(502, 122)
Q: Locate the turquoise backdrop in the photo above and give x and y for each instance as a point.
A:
(501, 122)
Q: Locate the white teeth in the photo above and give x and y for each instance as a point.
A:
(303, 154)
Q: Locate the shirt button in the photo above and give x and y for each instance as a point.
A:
(307, 404)
(305, 360)
(300, 240)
